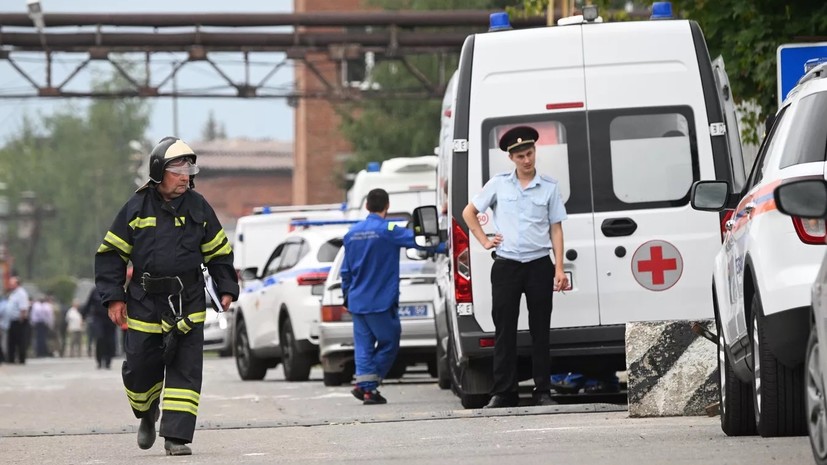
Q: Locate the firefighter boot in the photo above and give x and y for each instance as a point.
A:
(146, 432)
(176, 447)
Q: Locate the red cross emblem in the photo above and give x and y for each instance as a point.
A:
(657, 265)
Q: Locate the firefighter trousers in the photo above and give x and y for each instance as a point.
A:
(176, 386)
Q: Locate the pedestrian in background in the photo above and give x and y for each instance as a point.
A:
(42, 319)
(74, 329)
(4, 326)
(167, 230)
(528, 211)
(370, 284)
(104, 330)
(18, 315)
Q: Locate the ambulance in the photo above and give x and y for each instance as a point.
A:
(629, 114)
(409, 181)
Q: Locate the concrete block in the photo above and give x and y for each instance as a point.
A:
(672, 371)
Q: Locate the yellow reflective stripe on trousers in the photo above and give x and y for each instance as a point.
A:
(143, 326)
(141, 401)
(165, 327)
(182, 394)
(138, 223)
(183, 326)
(118, 243)
(185, 407)
(219, 237)
(222, 251)
(198, 317)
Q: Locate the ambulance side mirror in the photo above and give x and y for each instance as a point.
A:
(710, 195)
(804, 199)
(426, 226)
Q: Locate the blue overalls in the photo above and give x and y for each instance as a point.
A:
(370, 283)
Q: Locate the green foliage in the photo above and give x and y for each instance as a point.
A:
(61, 287)
(76, 160)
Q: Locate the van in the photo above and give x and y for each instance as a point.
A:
(409, 181)
(629, 114)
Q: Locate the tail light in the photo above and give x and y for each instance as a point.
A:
(810, 231)
(332, 313)
(727, 216)
(462, 264)
(311, 279)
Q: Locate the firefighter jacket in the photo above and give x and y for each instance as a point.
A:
(164, 239)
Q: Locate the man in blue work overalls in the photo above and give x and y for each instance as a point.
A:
(370, 284)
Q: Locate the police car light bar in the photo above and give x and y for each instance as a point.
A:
(308, 223)
(661, 10)
(812, 63)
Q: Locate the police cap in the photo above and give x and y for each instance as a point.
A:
(518, 138)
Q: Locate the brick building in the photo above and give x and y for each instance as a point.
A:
(319, 147)
(240, 174)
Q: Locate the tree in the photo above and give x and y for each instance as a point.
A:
(747, 34)
(212, 129)
(382, 129)
(76, 160)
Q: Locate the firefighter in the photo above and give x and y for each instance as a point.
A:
(166, 230)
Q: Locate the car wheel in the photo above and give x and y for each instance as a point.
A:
(467, 400)
(816, 407)
(249, 367)
(735, 396)
(296, 364)
(331, 378)
(443, 376)
(778, 391)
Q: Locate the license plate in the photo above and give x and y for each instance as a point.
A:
(413, 311)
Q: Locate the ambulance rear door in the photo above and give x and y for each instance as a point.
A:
(649, 141)
(541, 86)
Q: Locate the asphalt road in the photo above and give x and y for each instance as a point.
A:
(59, 411)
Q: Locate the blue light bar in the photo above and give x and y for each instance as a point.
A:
(661, 10)
(812, 63)
(373, 167)
(306, 223)
(498, 22)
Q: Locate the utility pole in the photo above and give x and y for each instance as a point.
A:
(175, 99)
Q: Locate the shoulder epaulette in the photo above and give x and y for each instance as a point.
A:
(548, 179)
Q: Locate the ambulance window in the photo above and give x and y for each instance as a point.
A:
(552, 157)
(328, 250)
(658, 142)
(807, 141)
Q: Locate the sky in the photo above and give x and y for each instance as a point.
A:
(250, 118)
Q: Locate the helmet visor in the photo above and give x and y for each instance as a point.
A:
(182, 166)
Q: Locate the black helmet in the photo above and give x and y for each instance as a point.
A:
(168, 149)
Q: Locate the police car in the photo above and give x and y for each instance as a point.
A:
(630, 114)
(277, 313)
(764, 270)
(416, 314)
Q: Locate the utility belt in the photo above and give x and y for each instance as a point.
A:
(169, 285)
(516, 262)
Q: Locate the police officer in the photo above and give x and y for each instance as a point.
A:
(167, 230)
(370, 284)
(528, 211)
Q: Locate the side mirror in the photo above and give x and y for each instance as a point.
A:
(416, 254)
(248, 274)
(710, 195)
(426, 226)
(805, 199)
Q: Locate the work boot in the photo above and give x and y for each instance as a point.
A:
(146, 432)
(358, 393)
(503, 401)
(176, 447)
(543, 398)
(373, 398)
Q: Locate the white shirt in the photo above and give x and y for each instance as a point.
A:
(74, 321)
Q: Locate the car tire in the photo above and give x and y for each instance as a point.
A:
(443, 376)
(250, 368)
(778, 390)
(734, 395)
(330, 378)
(296, 365)
(815, 401)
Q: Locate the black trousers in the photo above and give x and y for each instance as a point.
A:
(146, 377)
(18, 341)
(509, 281)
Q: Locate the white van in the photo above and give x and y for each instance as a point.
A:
(629, 114)
(409, 181)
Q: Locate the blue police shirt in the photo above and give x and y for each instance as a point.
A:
(370, 271)
(522, 216)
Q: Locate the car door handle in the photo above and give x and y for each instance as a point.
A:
(616, 227)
